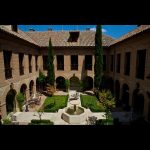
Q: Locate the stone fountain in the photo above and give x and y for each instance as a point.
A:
(74, 114)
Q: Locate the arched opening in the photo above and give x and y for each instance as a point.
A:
(23, 90)
(88, 83)
(138, 101)
(31, 87)
(125, 95)
(60, 83)
(110, 83)
(74, 83)
(37, 85)
(10, 101)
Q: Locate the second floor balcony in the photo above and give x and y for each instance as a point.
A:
(8, 73)
(36, 67)
(88, 66)
(74, 66)
(21, 69)
(60, 67)
(30, 69)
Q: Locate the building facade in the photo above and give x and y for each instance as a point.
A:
(126, 64)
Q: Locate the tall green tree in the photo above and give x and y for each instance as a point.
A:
(50, 64)
(98, 67)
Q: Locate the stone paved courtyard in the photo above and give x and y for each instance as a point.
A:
(26, 117)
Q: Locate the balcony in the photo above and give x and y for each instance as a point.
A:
(88, 66)
(30, 69)
(60, 67)
(21, 68)
(74, 66)
(8, 73)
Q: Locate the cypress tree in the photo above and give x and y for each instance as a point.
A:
(50, 64)
(98, 67)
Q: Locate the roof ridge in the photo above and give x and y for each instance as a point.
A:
(132, 33)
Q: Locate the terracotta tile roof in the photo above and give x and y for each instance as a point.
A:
(20, 34)
(60, 38)
(138, 30)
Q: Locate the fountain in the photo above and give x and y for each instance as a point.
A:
(74, 114)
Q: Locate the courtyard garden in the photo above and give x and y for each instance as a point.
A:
(92, 103)
(54, 103)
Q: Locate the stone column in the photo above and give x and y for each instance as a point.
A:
(26, 64)
(67, 63)
(15, 65)
(2, 68)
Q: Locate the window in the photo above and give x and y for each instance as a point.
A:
(45, 62)
(36, 63)
(112, 63)
(74, 62)
(127, 63)
(21, 67)
(104, 62)
(30, 61)
(118, 63)
(140, 64)
(88, 62)
(60, 62)
(7, 61)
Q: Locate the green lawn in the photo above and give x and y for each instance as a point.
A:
(92, 103)
(54, 103)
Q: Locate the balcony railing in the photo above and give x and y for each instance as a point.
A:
(88, 66)
(30, 69)
(8, 73)
(21, 68)
(60, 67)
(74, 66)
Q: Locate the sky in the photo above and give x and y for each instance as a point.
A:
(114, 31)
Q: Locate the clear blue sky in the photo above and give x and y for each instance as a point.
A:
(112, 30)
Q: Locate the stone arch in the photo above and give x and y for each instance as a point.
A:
(125, 94)
(23, 90)
(37, 85)
(31, 87)
(74, 83)
(11, 101)
(60, 83)
(88, 83)
(138, 101)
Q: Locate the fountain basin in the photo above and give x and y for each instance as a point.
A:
(72, 117)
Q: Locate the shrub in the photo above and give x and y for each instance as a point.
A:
(41, 122)
(7, 121)
(20, 99)
(67, 84)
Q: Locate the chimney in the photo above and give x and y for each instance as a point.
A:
(31, 29)
(14, 28)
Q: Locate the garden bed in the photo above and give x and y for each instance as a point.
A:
(54, 103)
(92, 103)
